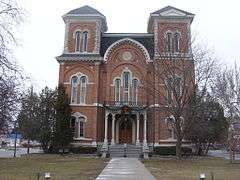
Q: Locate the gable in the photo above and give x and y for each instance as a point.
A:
(173, 12)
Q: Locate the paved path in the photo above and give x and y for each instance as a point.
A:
(125, 168)
(222, 153)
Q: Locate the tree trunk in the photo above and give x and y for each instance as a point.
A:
(28, 146)
(207, 148)
(179, 148)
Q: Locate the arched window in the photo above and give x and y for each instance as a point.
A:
(126, 84)
(169, 42)
(73, 126)
(85, 41)
(173, 85)
(81, 126)
(77, 41)
(117, 89)
(74, 93)
(83, 86)
(169, 89)
(134, 90)
(176, 42)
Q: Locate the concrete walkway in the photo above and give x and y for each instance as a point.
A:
(125, 168)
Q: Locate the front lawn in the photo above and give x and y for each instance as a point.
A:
(172, 169)
(61, 167)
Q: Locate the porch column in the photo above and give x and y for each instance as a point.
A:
(78, 128)
(145, 149)
(104, 149)
(145, 128)
(106, 128)
(137, 140)
(113, 130)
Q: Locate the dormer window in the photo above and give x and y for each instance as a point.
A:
(77, 41)
(85, 41)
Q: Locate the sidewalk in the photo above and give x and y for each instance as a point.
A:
(125, 168)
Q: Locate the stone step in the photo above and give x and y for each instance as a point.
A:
(118, 150)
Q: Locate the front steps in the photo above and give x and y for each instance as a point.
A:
(125, 150)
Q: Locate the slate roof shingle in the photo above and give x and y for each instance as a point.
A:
(147, 41)
(85, 10)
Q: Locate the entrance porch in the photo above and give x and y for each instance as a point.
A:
(125, 125)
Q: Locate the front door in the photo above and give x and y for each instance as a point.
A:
(125, 131)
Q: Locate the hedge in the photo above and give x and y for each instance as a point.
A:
(170, 150)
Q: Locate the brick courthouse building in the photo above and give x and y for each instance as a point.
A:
(104, 75)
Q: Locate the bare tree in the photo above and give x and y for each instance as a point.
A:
(227, 90)
(178, 74)
(11, 16)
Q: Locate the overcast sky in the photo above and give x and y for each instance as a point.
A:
(216, 23)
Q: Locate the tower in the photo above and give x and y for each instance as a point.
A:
(83, 28)
(171, 29)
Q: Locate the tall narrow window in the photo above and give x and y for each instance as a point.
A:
(126, 81)
(83, 86)
(85, 41)
(74, 90)
(177, 86)
(169, 89)
(81, 126)
(169, 42)
(134, 90)
(173, 84)
(117, 89)
(73, 126)
(77, 41)
(176, 42)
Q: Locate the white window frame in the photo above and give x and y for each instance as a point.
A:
(117, 98)
(135, 91)
(177, 42)
(83, 90)
(85, 41)
(74, 99)
(129, 86)
(77, 41)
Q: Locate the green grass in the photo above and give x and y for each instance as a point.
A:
(172, 169)
(61, 167)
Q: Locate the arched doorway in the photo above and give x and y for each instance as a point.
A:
(125, 131)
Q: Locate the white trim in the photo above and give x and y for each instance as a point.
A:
(82, 138)
(119, 89)
(131, 41)
(78, 115)
(88, 105)
(85, 31)
(172, 12)
(127, 34)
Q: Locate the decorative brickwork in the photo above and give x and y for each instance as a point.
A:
(119, 65)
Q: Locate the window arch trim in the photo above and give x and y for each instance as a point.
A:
(77, 37)
(85, 37)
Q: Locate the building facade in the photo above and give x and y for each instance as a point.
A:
(107, 76)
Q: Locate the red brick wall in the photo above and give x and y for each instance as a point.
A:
(182, 28)
(89, 27)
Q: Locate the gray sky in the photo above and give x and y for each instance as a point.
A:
(216, 24)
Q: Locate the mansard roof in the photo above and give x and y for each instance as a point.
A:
(86, 10)
(107, 39)
(146, 39)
